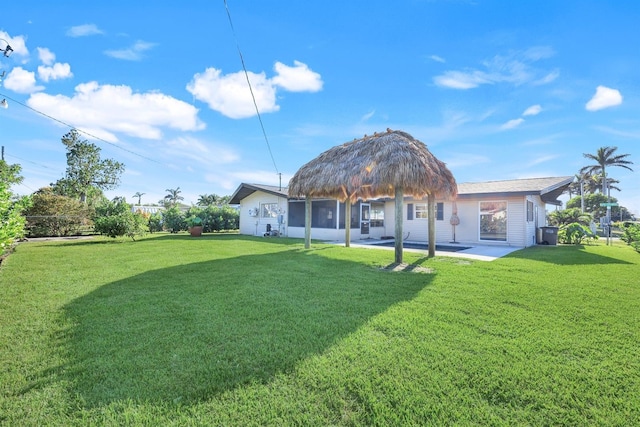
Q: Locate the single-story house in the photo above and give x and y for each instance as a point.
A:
(496, 212)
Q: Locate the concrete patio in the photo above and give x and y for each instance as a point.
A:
(477, 252)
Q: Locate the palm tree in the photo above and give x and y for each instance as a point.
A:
(207, 199)
(610, 184)
(174, 196)
(139, 196)
(604, 158)
(569, 216)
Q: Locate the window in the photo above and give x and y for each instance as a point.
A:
(323, 213)
(529, 211)
(493, 221)
(296, 213)
(421, 211)
(269, 210)
(355, 215)
(377, 215)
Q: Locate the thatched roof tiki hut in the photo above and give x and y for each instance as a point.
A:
(392, 163)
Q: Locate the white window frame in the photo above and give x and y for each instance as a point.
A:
(420, 211)
(269, 210)
(506, 222)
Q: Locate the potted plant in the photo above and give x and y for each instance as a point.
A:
(195, 226)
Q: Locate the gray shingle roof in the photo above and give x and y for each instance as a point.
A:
(548, 188)
(245, 190)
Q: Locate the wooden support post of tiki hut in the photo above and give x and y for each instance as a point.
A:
(307, 222)
(431, 208)
(347, 222)
(399, 195)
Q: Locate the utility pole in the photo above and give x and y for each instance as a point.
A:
(3, 152)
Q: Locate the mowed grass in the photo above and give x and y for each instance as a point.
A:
(233, 330)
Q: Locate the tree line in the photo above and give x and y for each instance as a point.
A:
(76, 202)
(589, 194)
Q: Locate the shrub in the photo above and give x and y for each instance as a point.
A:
(115, 219)
(12, 222)
(631, 235)
(55, 215)
(575, 233)
(155, 222)
(569, 216)
(174, 220)
(218, 218)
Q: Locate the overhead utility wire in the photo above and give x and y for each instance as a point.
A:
(80, 130)
(255, 104)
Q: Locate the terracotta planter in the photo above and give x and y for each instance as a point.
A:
(196, 231)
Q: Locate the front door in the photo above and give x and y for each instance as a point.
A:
(365, 220)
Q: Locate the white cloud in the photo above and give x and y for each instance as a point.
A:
(298, 78)
(21, 81)
(368, 116)
(58, 71)
(464, 160)
(604, 98)
(84, 30)
(512, 124)
(132, 53)
(542, 159)
(46, 56)
(437, 58)
(230, 94)
(515, 68)
(107, 109)
(461, 79)
(548, 78)
(537, 53)
(17, 44)
(200, 152)
(534, 110)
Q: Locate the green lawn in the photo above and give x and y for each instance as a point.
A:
(231, 330)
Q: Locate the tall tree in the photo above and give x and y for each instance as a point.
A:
(173, 197)
(604, 158)
(86, 171)
(208, 199)
(10, 174)
(12, 221)
(139, 196)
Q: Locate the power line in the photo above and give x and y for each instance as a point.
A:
(29, 161)
(80, 130)
(246, 74)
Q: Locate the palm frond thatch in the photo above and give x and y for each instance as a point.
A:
(374, 166)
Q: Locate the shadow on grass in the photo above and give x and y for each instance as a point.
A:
(186, 333)
(564, 255)
(102, 240)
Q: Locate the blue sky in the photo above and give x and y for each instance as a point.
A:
(497, 90)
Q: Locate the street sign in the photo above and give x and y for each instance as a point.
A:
(608, 204)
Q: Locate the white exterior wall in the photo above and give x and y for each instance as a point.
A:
(329, 234)
(255, 225)
(517, 228)
(539, 219)
(516, 221)
(520, 232)
(417, 229)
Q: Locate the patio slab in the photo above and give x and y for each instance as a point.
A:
(477, 252)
